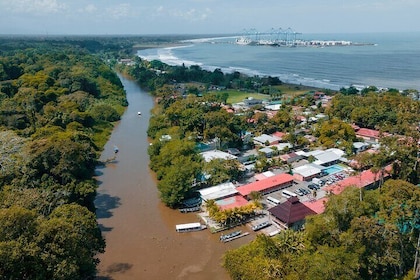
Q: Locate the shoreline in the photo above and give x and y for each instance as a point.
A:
(335, 79)
(139, 47)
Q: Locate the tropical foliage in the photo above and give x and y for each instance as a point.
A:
(57, 105)
(373, 236)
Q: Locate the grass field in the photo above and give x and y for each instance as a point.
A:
(290, 90)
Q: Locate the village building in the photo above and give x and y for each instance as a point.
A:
(264, 175)
(326, 158)
(291, 214)
(250, 101)
(318, 206)
(369, 135)
(280, 135)
(282, 146)
(231, 202)
(290, 157)
(218, 192)
(264, 139)
(233, 151)
(307, 172)
(359, 147)
(267, 151)
(216, 154)
(366, 180)
(266, 186)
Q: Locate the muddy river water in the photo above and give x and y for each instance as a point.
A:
(139, 230)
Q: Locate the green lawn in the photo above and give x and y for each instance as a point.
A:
(236, 96)
(289, 90)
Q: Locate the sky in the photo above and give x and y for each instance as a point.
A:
(141, 17)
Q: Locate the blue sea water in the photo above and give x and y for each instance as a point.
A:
(389, 60)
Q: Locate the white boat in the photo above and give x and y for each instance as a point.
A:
(230, 235)
(261, 226)
(190, 227)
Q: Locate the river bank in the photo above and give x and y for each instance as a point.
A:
(139, 230)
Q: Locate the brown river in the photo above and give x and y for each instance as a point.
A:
(141, 241)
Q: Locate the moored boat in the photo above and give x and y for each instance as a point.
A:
(261, 226)
(190, 209)
(228, 236)
(190, 227)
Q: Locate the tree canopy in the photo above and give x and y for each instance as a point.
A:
(57, 105)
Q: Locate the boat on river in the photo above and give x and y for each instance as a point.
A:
(190, 209)
(190, 227)
(228, 236)
(232, 236)
(261, 226)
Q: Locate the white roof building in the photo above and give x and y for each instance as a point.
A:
(308, 170)
(264, 138)
(281, 146)
(324, 157)
(218, 191)
(216, 154)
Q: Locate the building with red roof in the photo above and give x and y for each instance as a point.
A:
(268, 185)
(231, 202)
(291, 214)
(279, 134)
(370, 134)
(318, 206)
(365, 179)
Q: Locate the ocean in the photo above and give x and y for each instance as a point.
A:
(384, 60)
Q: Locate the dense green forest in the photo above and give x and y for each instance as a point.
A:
(58, 103)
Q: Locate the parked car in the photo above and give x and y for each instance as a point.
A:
(304, 191)
(299, 192)
(312, 187)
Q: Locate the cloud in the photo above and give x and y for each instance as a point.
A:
(37, 7)
(89, 9)
(191, 14)
(119, 11)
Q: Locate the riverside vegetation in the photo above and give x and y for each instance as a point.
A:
(362, 234)
(58, 103)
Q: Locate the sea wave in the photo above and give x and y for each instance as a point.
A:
(167, 56)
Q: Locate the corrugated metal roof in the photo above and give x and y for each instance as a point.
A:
(265, 184)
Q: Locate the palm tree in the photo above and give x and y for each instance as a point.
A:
(256, 198)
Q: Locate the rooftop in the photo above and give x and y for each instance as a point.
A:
(264, 175)
(361, 180)
(264, 138)
(318, 206)
(291, 211)
(216, 154)
(366, 132)
(215, 192)
(308, 170)
(231, 202)
(264, 184)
